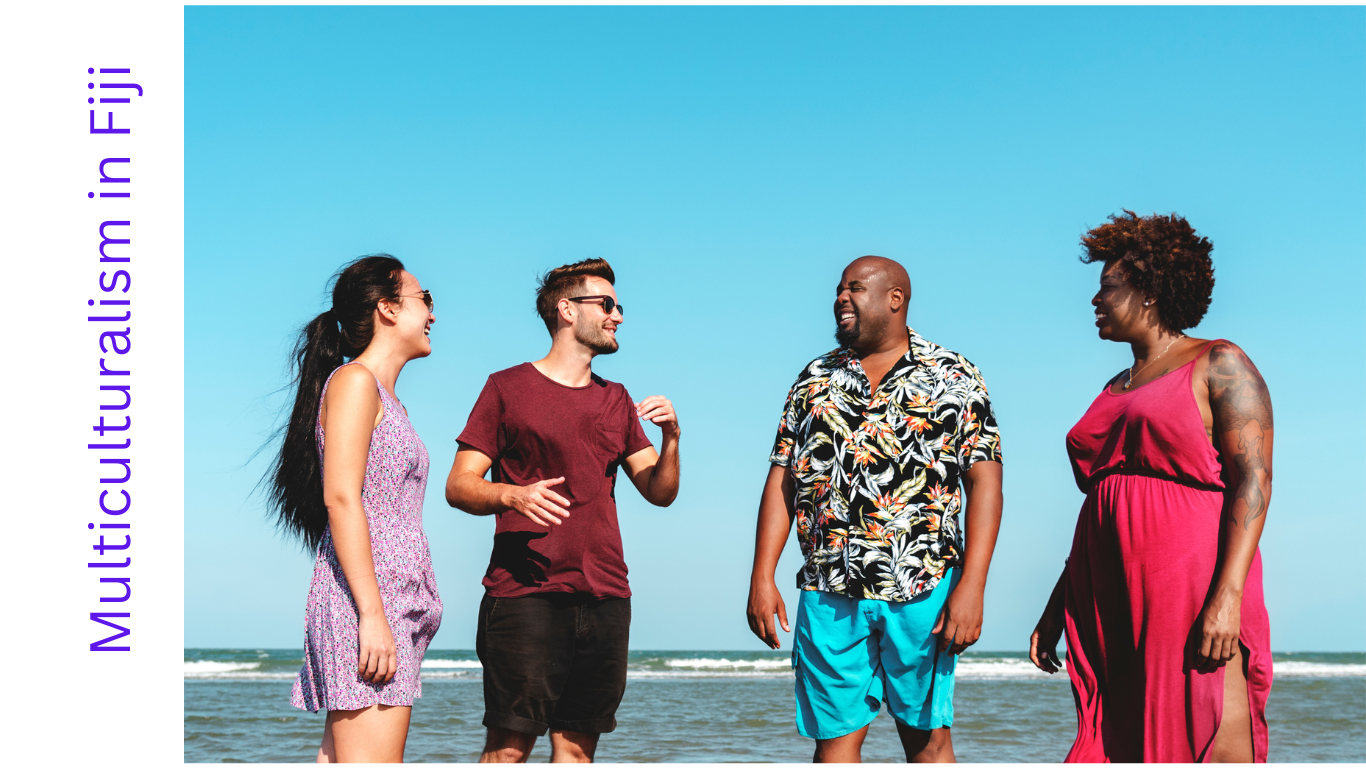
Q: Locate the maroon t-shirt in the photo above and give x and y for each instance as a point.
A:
(535, 429)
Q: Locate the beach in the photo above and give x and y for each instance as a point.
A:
(736, 706)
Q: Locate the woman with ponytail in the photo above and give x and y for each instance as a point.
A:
(349, 481)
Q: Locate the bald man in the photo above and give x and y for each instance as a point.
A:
(876, 438)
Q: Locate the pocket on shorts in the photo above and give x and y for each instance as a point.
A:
(488, 614)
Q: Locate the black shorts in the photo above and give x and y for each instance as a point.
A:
(553, 661)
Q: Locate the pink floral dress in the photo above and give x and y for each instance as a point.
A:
(392, 493)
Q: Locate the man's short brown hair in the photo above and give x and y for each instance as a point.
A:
(567, 282)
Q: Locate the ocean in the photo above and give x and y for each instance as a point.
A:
(736, 706)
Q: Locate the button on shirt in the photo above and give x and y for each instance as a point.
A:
(877, 473)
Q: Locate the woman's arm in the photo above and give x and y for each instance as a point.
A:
(1043, 643)
(350, 410)
(1243, 429)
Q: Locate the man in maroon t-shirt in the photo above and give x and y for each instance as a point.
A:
(555, 618)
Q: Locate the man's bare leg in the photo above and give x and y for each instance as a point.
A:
(572, 746)
(934, 746)
(844, 749)
(504, 746)
(1233, 742)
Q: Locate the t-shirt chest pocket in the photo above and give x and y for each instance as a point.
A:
(610, 437)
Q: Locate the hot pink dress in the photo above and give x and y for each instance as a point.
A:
(1142, 563)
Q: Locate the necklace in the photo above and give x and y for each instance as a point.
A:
(1130, 381)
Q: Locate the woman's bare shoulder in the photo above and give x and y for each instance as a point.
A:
(352, 385)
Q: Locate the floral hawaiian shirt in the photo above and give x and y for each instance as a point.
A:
(877, 474)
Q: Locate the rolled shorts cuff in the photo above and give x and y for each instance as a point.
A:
(604, 725)
(514, 723)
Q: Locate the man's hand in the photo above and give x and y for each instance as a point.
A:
(467, 489)
(764, 602)
(657, 409)
(960, 623)
(537, 502)
(656, 475)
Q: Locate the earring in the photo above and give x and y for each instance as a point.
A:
(1148, 303)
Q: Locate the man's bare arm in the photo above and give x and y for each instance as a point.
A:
(960, 625)
(776, 512)
(656, 475)
(467, 490)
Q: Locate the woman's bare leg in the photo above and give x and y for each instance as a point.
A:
(327, 753)
(376, 734)
(1233, 742)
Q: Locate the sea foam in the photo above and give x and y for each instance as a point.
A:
(231, 670)
(1317, 669)
(451, 664)
(735, 664)
(218, 667)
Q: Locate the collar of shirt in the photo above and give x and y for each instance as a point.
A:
(847, 359)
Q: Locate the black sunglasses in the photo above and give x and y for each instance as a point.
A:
(426, 298)
(608, 303)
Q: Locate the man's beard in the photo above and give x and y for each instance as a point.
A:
(848, 338)
(596, 339)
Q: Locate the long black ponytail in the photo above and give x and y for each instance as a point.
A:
(295, 494)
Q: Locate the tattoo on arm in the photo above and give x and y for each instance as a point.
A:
(1241, 406)
(1252, 466)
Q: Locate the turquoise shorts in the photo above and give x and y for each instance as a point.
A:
(851, 655)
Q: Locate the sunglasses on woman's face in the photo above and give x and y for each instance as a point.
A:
(426, 297)
(608, 303)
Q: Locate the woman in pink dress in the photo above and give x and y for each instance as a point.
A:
(349, 481)
(1168, 642)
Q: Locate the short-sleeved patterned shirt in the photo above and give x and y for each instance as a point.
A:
(877, 474)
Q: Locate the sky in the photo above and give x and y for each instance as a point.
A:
(729, 162)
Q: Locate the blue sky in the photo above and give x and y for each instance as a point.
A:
(729, 162)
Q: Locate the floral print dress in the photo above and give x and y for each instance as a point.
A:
(395, 483)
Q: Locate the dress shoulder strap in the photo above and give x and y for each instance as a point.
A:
(1208, 344)
(1203, 351)
(1190, 367)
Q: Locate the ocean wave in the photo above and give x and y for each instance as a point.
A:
(730, 663)
(218, 667)
(999, 669)
(231, 670)
(451, 664)
(1317, 669)
(652, 674)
